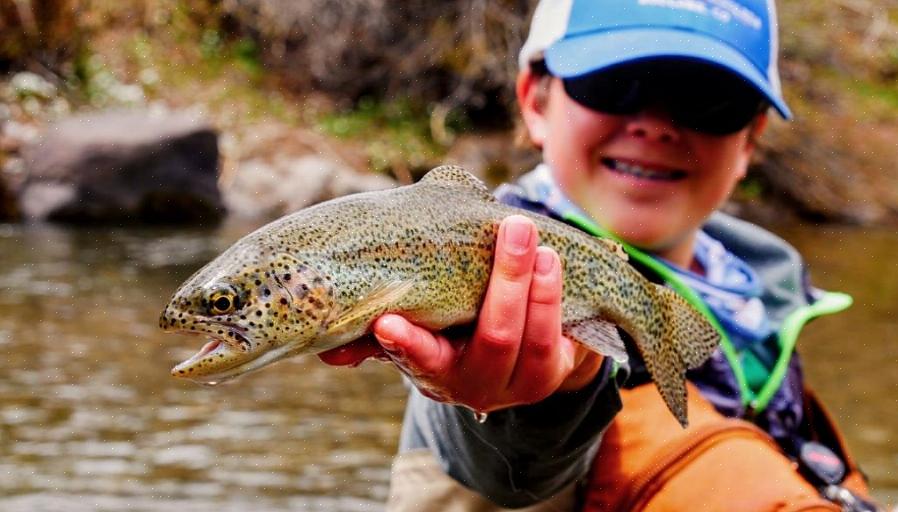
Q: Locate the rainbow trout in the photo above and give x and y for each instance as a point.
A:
(318, 278)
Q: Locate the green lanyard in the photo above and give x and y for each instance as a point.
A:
(830, 303)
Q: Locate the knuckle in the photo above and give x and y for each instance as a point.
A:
(546, 290)
(513, 273)
(541, 349)
(506, 304)
(498, 342)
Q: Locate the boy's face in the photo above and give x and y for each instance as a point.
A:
(641, 176)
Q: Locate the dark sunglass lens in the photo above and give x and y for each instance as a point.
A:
(608, 92)
(722, 120)
(714, 102)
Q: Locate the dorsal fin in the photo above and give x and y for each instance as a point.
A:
(455, 176)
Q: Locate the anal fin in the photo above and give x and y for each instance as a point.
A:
(597, 334)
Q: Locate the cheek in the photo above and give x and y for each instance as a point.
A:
(576, 134)
(725, 162)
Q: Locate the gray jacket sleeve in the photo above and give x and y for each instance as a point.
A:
(521, 455)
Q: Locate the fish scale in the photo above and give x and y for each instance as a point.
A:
(318, 278)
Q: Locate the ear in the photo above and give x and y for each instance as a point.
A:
(532, 102)
(756, 130)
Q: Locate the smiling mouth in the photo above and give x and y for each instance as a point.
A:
(638, 171)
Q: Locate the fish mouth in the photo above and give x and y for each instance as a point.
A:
(221, 359)
(217, 359)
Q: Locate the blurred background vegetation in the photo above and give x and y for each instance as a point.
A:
(397, 86)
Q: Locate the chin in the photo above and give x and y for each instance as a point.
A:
(649, 240)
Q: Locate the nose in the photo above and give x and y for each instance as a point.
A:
(653, 125)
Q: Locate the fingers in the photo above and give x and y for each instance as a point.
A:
(545, 358)
(414, 348)
(493, 351)
(353, 353)
(517, 353)
(544, 300)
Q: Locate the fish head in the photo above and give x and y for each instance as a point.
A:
(254, 311)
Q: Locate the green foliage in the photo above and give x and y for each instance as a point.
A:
(394, 133)
(750, 188)
(218, 52)
(247, 55)
(96, 83)
(882, 95)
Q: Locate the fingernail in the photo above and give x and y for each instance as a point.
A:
(517, 236)
(386, 343)
(545, 262)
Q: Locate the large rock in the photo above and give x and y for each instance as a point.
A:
(124, 166)
(9, 207)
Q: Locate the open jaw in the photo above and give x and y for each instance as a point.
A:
(222, 359)
(217, 359)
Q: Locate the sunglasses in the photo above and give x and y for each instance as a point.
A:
(695, 95)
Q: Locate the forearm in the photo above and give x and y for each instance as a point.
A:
(521, 455)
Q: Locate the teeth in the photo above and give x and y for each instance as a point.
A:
(642, 172)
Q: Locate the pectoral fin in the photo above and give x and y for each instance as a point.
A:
(599, 335)
(376, 302)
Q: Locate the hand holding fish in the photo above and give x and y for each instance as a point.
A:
(324, 276)
(516, 354)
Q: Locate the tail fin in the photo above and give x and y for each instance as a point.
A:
(687, 340)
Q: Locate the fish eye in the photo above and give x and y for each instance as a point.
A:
(222, 301)
(222, 304)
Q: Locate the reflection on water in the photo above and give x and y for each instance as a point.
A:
(91, 420)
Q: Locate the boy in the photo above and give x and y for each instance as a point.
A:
(647, 113)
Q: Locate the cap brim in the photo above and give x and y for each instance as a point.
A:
(580, 55)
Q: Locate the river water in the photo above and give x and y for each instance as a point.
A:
(91, 421)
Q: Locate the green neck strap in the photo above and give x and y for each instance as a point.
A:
(829, 303)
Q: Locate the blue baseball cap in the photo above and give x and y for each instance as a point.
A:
(578, 37)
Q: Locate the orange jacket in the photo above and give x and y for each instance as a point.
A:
(717, 464)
